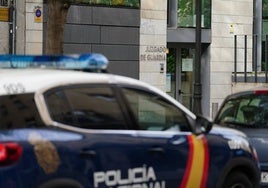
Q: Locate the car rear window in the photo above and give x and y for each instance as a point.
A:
(19, 111)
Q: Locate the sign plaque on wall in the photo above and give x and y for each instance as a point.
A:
(154, 53)
(38, 14)
(4, 14)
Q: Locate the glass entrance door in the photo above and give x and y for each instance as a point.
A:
(187, 65)
(180, 65)
(171, 74)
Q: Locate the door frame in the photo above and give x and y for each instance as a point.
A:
(178, 68)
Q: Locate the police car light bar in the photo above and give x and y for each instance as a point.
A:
(87, 62)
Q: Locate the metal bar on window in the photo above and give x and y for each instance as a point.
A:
(266, 58)
(235, 58)
(245, 59)
(255, 62)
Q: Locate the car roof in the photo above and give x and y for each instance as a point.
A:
(17, 74)
(256, 90)
(35, 79)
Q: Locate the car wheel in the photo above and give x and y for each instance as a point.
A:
(237, 180)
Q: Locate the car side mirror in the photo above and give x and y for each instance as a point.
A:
(203, 125)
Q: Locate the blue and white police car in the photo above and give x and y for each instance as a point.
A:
(64, 128)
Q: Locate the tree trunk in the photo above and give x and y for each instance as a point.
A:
(57, 13)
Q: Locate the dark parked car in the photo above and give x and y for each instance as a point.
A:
(247, 111)
(66, 128)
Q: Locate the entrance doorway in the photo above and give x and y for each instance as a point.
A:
(180, 65)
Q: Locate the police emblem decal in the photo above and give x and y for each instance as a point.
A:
(45, 152)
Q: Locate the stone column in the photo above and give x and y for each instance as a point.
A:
(34, 27)
(153, 29)
(4, 29)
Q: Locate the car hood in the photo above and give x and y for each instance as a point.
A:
(226, 131)
(257, 138)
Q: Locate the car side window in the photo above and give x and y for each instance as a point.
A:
(152, 112)
(94, 107)
(19, 111)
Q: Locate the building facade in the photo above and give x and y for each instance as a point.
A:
(4, 26)
(155, 41)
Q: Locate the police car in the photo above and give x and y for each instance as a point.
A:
(68, 128)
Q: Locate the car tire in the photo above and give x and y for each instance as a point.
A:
(237, 180)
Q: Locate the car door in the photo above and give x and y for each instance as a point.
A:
(135, 139)
(107, 155)
(171, 155)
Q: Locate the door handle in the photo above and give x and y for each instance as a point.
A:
(177, 140)
(88, 153)
(156, 150)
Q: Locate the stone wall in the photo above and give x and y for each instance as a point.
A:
(4, 28)
(229, 18)
(236, 87)
(113, 32)
(4, 38)
(153, 31)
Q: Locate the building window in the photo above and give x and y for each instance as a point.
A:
(265, 17)
(4, 3)
(186, 13)
(264, 34)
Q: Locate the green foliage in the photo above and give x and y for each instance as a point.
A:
(186, 13)
(126, 3)
(265, 9)
(171, 61)
(185, 8)
(264, 66)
